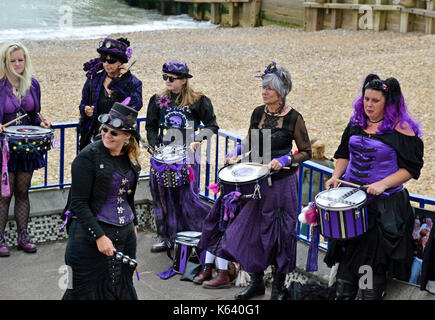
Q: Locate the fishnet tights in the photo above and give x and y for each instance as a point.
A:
(19, 183)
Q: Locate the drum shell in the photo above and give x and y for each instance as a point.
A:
(245, 189)
(171, 178)
(186, 249)
(343, 224)
(23, 146)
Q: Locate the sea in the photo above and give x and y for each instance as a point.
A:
(82, 19)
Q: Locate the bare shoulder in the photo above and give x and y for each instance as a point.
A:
(404, 128)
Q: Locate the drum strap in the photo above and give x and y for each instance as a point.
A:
(5, 187)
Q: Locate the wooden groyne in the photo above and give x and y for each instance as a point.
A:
(377, 15)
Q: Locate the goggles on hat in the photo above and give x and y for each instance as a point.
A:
(106, 118)
(110, 44)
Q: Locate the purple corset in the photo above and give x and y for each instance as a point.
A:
(116, 209)
(370, 161)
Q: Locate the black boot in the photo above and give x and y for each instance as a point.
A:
(278, 292)
(378, 290)
(345, 290)
(255, 287)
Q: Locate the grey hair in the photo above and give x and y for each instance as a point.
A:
(281, 84)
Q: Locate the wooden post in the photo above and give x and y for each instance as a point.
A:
(336, 17)
(379, 18)
(313, 19)
(254, 16)
(430, 22)
(405, 22)
(355, 16)
(234, 14)
(215, 13)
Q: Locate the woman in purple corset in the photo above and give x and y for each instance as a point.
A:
(102, 220)
(20, 94)
(108, 81)
(173, 118)
(263, 231)
(381, 149)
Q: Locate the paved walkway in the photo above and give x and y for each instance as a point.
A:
(41, 276)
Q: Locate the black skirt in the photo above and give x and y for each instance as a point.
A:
(387, 247)
(96, 276)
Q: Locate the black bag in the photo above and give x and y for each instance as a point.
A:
(191, 271)
(312, 290)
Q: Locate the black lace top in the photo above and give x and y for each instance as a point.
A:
(283, 130)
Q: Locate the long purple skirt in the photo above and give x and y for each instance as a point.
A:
(177, 209)
(263, 232)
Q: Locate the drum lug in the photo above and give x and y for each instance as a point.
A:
(257, 192)
(357, 214)
(326, 215)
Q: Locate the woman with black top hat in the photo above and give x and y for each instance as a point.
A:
(177, 112)
(101, 249)
(108, 81)
(263, 230)
(381, 149)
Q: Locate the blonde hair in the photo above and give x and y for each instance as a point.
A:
(318, 150)
(6, 66)
(188, 95)
(133, 150)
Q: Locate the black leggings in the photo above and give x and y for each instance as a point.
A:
(19, 182)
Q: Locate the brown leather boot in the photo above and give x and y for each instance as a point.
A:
(204, 275)
(221, 281)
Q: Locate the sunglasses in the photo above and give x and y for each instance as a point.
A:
(105, 118)
(112, 132)
(109, 61)
(376, 84)
(171, 79)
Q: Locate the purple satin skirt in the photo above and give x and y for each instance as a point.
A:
(262, 233)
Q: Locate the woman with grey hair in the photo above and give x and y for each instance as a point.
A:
(263, 230)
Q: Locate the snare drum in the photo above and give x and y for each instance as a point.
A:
(168, 166)
(343, 212)
(185, 249)
(250, 179)
(25, 141)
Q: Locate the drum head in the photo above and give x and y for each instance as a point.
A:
(240, 173)
(188, 237)
(27, 131)
(340, 198)
(170, 154)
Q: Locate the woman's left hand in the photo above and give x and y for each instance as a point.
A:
(376, 188)
(45, 124)
(194, 145)
(274, 165)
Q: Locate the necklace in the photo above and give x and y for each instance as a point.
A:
(375, 121)
(271, 118)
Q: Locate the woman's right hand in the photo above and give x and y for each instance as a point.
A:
(331, 183)
(105, 246)
(230, 160)
(89, 111)
(2, 128)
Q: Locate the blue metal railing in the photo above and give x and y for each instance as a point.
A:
(211, 169)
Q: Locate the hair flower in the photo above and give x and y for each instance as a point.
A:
(129, 52)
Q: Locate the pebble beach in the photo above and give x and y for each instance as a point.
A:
(327, 69)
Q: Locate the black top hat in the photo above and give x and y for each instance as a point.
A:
(121, 117)
(178, 68)
(119, 49)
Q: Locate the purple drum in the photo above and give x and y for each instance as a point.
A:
(343, 213)
(252, 180)
(169, 167)
(27, 140)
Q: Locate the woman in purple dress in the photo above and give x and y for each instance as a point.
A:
(381, 149)
(20, 94)
(173, 117)
(108, 81)
(263, 231)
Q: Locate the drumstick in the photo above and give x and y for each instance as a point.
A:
(357, 186)
(265, 165)
(12, 121)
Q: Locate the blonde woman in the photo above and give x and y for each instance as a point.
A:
(19, 94)
(176, 113)
(103, 216)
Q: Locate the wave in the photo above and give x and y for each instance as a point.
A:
(93, 32)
